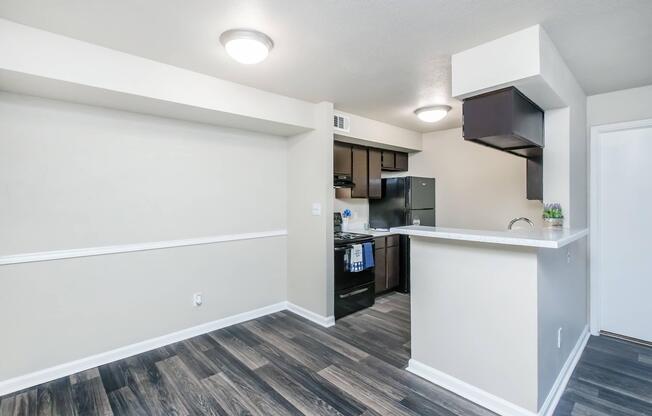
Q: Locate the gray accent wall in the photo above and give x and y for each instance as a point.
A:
(562, 302)
(74, 176)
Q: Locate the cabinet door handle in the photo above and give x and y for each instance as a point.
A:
(355, 292)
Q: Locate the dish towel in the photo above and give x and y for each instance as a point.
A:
(368, 255)
(356, 260)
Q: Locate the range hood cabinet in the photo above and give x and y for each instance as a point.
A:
(505, 120)
(508, 121)
(343, 182)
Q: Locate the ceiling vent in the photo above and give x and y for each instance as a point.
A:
(341, 123)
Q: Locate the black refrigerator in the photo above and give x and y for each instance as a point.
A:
(405, 201)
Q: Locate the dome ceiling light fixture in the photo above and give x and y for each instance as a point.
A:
(433, 113)
(246, 46)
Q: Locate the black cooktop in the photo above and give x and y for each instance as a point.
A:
(349, 238)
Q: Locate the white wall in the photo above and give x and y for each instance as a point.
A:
(368, 132)
(310, 237)
(37, 62)
(571, 145)
(618, 106)
(519, 60)
(73, 176)
(614, 107)
(477, 187)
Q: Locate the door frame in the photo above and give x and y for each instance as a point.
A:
(595, 282)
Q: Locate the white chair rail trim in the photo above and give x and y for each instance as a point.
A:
(130, 248)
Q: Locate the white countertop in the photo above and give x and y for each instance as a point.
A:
(371, 231)
(545, 238)
(379, 233)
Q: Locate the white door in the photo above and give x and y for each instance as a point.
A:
(624, 216)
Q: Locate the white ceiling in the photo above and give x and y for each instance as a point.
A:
(376, 58)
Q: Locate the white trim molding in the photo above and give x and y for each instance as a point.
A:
(130, 248)
(552, 400)
(498, 404)
(325, 321)
(466, 390)
(43, 376)
(595, 256)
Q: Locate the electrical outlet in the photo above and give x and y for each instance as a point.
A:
(197, 299)
(568, 256)
(559, 338)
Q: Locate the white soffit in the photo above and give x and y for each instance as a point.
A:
(526, 59)
(40, 63)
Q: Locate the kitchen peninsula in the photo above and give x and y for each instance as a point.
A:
(498, 317)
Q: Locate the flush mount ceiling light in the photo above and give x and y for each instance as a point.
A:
(432, 114)
(246, 46)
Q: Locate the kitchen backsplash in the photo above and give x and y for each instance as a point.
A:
(359, 208)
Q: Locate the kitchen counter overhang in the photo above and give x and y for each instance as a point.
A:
(542, 238)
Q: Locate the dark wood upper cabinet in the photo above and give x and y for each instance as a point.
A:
(504, 119)
(388, 159)
(342, 159)
(401, 161)
(364, 165)
(394, 161)
(509, 121)
(360, 175)
(534, 175)
(375, 189)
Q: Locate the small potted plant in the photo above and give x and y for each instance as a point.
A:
(346, 217)
(553, 215)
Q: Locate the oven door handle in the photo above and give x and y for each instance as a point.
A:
(350, 247)
(355, 292)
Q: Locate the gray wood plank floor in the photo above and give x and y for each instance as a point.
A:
(279, 364)
(282, 364)
(613, 377)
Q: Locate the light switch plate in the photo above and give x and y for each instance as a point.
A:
(197, 299)
(316, 209)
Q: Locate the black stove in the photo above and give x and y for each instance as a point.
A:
(343, 238)
(354, 290)
(350, 238)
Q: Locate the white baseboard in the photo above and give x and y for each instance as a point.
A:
(469, 392)
(549, 405)
(325, 321)
(43, 376)
(495, 403)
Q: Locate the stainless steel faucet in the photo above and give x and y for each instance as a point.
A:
(515, 220)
